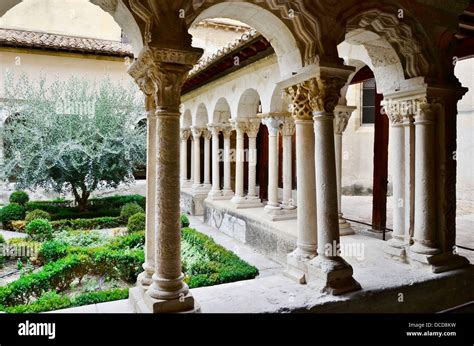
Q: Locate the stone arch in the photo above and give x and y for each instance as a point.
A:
(279, 101)
(385, 37)
(358, 64)
(221, 113)
(265, 22)
(201, 119)
(186, 119)
(248, 105)
(116, 8)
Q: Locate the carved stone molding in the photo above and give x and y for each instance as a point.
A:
(206, 134)
(342, 115)
(162, 72)
(197, 132)
(253, 126)
(273, 125)
(185, 134)
(288, 127)
(299, 95)
(324, 93)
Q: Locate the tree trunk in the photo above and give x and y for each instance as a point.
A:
(81, 200)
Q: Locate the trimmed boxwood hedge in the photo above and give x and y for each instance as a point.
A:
(205, 263)
(76, 224)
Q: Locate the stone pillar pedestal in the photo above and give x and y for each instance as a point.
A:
(342, 115)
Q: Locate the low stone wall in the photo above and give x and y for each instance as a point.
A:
(257, 233)
(192, 204)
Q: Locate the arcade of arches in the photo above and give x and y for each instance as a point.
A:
(268, 135)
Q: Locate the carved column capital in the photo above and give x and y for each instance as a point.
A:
(273, 124)
(324, 93)
(253, 126)
(162, 71)
(206, 133)
(214, 129)
(392, 109)
(299, 95)
(196, 132)
(227, 131)
(184, 134)
(427, 112)
(288, 127)
(342, 115)
(240, 126)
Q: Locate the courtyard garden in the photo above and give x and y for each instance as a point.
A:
(70, 257)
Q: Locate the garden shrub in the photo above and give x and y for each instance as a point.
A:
(11, 212)
(40, 230)
(52, 250)
(136, 223)
(2, 240)
(51, 301)
(184, 221)
(19, 197)
(129, 210)
(89, 224)
(37, 214)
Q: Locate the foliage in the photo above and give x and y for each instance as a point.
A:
(39, 230)
(88, 224)
(19, 197)
(136, 222)
(129, 210)
(184, 221)
(10, 213)
(2, 240)
(205, 263)
(37, 214)
(53, 301)
(72, 136)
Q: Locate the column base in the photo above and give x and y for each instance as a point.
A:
(425, 249)
(335, 272)
(279, 214)
(441, 262)
(186, 184)
(287, 206)
(297, 264)
(345, 227)
(144, 280)
(144, 304)
(227, 194)
(200, 189)
(396, 252)
(246, 202)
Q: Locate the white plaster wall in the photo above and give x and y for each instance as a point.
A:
(357, 145)
(465, 152)
(65, 17)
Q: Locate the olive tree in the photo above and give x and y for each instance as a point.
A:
(73, 136)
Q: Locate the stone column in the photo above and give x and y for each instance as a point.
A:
(240, 128)
(253, 127)
(425, 232)
(227, 191)
(191, 178)
(197, 132)
(324, 96)
(306, 193)
(409, 205)
(3, 179)
(144, 279)
(287, 132)
(216, 184)
(164, 71)
(341, 119)
(273, 124)
(185, 133)
(397, 152)
(207, 158)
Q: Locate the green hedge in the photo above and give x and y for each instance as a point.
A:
(52, 301)
(205, 263)
(76, 224)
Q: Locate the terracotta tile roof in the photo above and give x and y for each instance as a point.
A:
(42, 40)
